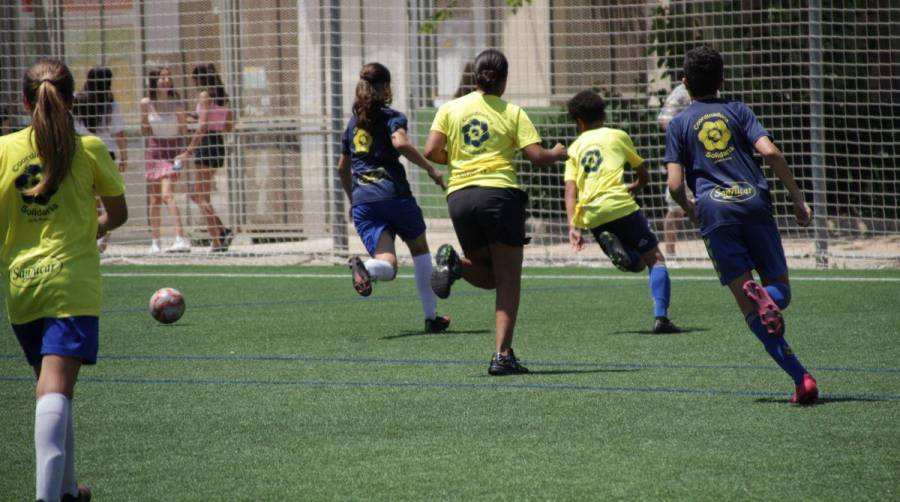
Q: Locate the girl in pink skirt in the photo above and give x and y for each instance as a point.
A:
(163, 122)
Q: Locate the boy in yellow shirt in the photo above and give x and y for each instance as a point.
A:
(598, 199)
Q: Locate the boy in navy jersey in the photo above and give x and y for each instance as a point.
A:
(710, 144)
(382, 203)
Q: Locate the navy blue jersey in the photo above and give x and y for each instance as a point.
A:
(375, 164)
(713, 140)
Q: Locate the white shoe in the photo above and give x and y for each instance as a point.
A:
(154, 247)
(180, 245)
(101, 242)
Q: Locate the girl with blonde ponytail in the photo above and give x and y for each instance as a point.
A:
(49, 260)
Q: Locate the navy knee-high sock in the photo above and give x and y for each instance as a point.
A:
(660, 290)
(780, 293)
(777, 347)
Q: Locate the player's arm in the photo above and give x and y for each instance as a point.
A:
(146, 130)
(540, 156)
(401, 143)
(643, 178)
(677, 189)
(436, 147)
(114, 216)
(575, 237)
(345, 175)
(775, 159)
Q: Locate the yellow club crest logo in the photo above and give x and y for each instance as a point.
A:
(715, 135)
(362, 140)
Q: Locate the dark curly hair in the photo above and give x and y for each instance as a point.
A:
(704, 71)
(373, 91)
(587, 106)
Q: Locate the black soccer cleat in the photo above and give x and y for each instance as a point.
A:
(663, 326)
(84, 495)
(506, 365)
(616, 252)
(437, 325)
(362, 283)
(448, 269)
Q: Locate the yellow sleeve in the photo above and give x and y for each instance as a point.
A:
(571, 173)
(108, 181)
(631, 155)
(526, 134)
(441, 121)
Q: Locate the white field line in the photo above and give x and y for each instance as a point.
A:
(635, 277)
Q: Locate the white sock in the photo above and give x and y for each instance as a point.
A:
(69, 483)
(51, 417)
(422, 264)
(380, 270)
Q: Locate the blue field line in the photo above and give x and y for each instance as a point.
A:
(460, 362)
(443, 385)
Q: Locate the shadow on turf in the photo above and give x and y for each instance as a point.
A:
(449, 332)
(576, 372)
(824, 400)
(684, 331)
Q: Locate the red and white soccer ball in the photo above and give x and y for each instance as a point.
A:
(167, 305)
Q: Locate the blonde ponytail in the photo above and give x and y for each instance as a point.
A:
(49, 87)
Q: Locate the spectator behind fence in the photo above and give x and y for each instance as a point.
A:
(97, 114)
(163, 123)
(207, 146)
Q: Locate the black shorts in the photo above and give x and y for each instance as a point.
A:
(483, 215)
(633, 230)
(211, 152)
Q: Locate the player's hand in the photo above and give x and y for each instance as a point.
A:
(183, 157)
(803, 213)
(122, 164)
(438, 178)
(633, 189)
(101, 229)
(576, 239)
(559, 151)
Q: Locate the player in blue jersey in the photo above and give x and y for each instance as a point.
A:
(380, 197)
(710, 144)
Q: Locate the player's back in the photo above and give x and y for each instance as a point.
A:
(374, 162)
(713, 140)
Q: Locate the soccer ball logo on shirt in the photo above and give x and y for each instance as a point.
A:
(715, 135)
(29, 179)
(591, 160)
(362, 140)
(475, 132)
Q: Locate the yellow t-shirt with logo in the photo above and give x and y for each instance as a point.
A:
(483, 133)
(596, 164)
(49, 256)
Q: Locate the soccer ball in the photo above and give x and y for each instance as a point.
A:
(167, 305)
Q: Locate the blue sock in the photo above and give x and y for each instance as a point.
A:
(777, 347)
(780, 293)
(660, 290)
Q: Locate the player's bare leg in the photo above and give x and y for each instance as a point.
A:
(507, 265)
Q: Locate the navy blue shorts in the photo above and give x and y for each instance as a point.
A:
(632, 230)
(737, 249)
(402, 217)
(68, 336)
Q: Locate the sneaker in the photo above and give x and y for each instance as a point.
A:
(663, 326)
(102, 242)
(84, 495)
(807, 391)
(448, 269)
(506, 365)
(154, 247)
(615, 251)
(437, 325)
(226, 237)
(362, 283)
(768, 311)
(181, 245)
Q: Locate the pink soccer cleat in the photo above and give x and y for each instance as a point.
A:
(768, 311)
(807, 391)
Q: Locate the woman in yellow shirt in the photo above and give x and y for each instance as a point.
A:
(50, 262)
(477, 136)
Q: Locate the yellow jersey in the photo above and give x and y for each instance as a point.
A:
(596, 164)
(49, 256)
(483, 133)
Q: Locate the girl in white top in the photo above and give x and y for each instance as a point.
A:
(163, 123)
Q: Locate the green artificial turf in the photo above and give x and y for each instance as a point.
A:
(282, 383)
